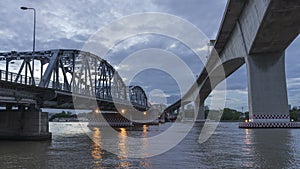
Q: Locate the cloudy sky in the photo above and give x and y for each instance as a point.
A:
(70, 24)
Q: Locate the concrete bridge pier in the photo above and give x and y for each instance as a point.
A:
(267, 92)
(199, 107)
(24, 123)
(182, 113)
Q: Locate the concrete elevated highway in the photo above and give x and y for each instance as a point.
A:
(255, 32)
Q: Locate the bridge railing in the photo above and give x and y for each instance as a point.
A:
(22, 79)
(12, 77)
(59, 86)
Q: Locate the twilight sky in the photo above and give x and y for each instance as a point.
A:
(69, 24)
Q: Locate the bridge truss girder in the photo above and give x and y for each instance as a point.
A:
(69, 71)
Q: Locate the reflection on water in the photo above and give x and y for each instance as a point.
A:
(145, 140)
(274, 148)
(122, 143)
(23, 154)
(96, 149)
(121, 160)
(144, 131)
(123, 149)
(229, 147)
(247, 140)
(247, 150)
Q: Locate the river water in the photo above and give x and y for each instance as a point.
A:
(228, 147)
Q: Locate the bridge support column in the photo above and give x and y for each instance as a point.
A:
(182, 113)
(267, 92)
(199, 107)
(25, 123)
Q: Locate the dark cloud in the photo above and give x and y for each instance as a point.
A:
(206, 15)
(61, 43)
(152, 79)
(119, 52)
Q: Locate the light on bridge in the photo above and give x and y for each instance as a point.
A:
(97, 111)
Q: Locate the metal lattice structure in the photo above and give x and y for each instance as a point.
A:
(71, 71)
(137, 95)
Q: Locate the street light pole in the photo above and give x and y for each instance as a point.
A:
(33, 45)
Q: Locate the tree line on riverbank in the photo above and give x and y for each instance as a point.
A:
(227, 114)
(295, 114)
(234, 115)
(63, 114)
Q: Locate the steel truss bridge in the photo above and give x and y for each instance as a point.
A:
(61, 76)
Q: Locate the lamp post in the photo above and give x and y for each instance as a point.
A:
(33, 45)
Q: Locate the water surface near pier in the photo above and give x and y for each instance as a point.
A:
(229, 147)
